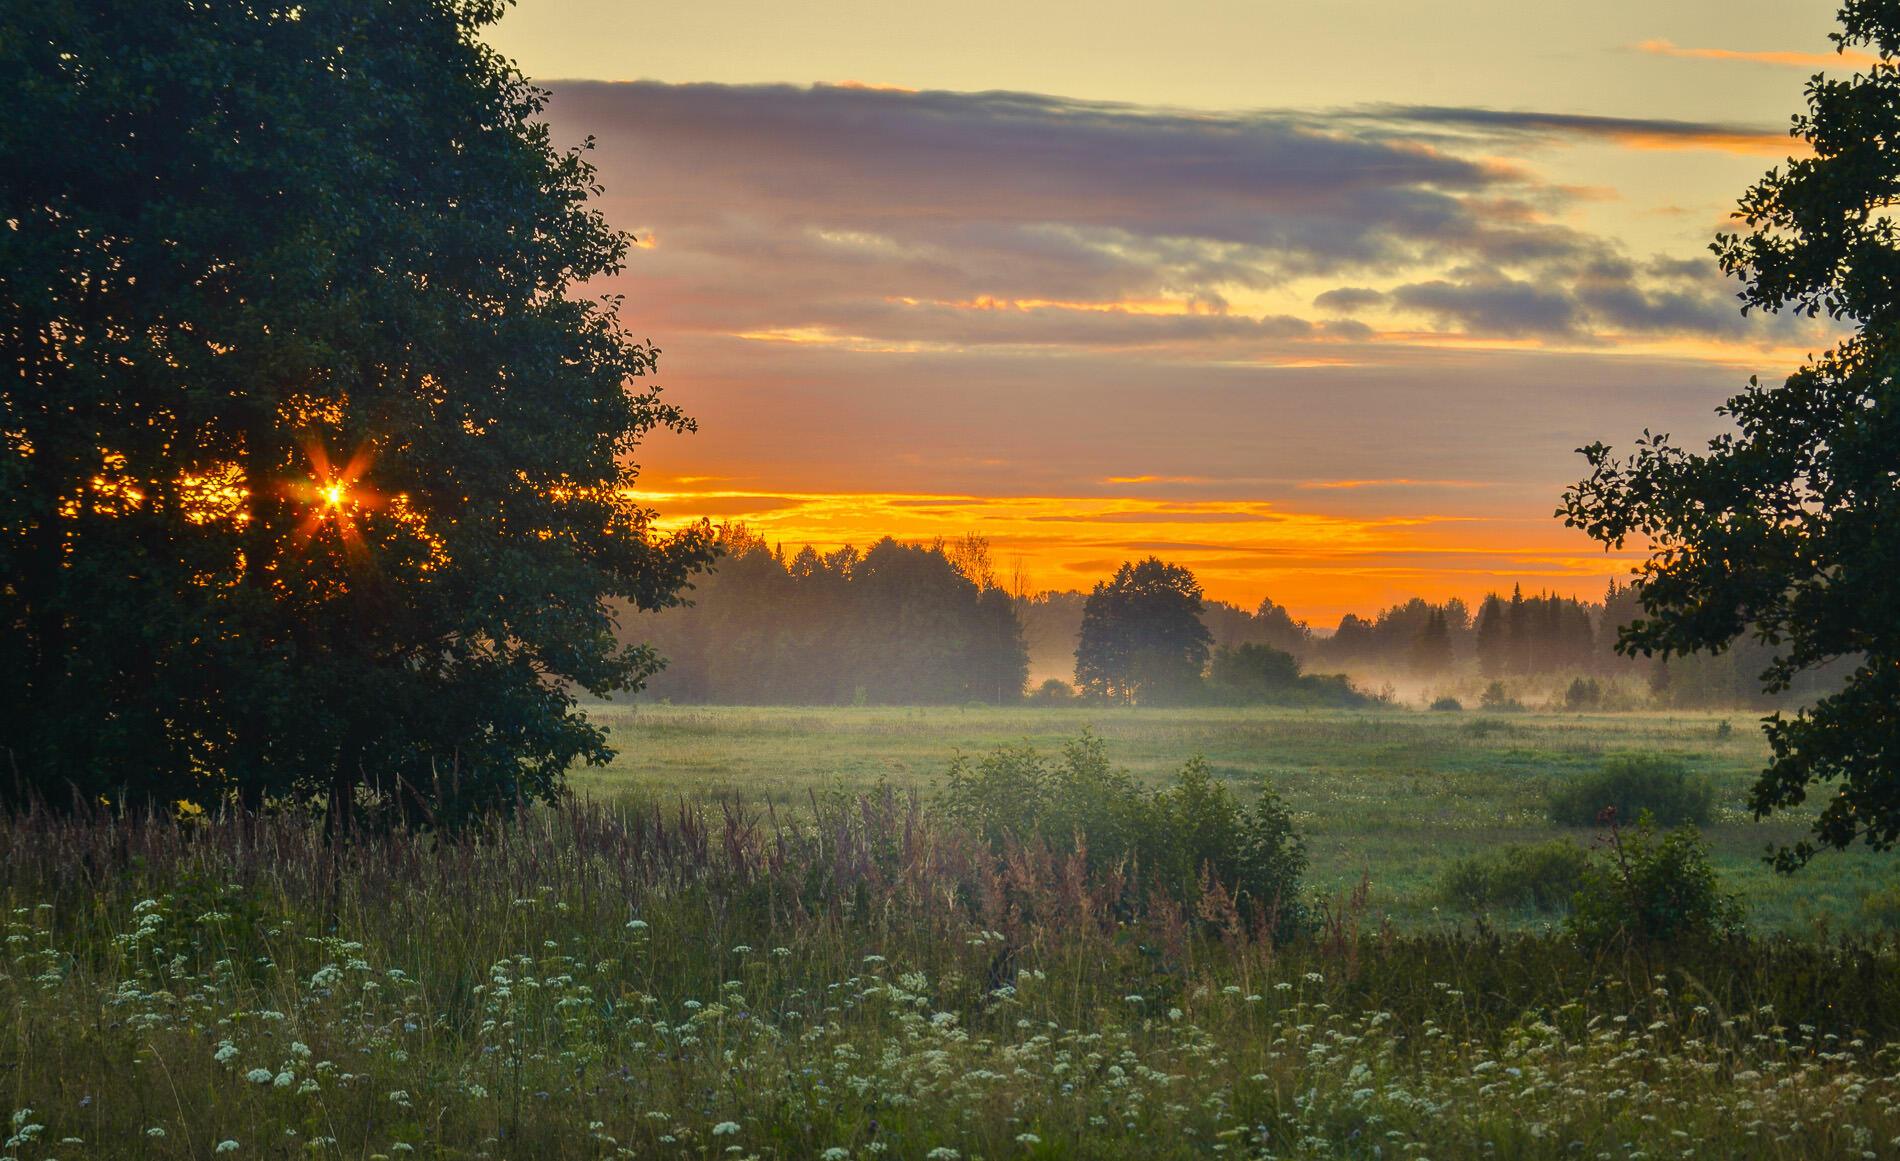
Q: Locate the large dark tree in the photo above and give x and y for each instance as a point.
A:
(1788, 527)
(313, 472)
(1142, 638)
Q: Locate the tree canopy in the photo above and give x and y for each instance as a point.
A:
(894, 624)
(313, 470)
(1142, 638)
(1787, 528)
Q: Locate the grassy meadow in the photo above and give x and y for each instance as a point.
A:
(743, 941)
(1390, 796)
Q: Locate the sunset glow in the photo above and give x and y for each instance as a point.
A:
(1322, 564)
(1354, 322)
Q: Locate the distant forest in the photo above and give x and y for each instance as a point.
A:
(920, 624)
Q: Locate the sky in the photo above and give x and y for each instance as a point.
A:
(1318, 299)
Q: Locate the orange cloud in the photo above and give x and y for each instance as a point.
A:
(1740, 141)
(1815, 60)
(873, 87)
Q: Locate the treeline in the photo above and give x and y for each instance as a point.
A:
(902, 624)
(897, 624)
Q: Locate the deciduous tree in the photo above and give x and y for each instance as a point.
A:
(1142, 638)
(314, 465)
(1788, 527)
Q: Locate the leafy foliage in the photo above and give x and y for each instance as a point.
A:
(1629, 785)
(1544, 876)
(1649, 889)
(1184, 840)
(1254, 674)
(1497, 697)
(1052, 691)
(1142, 639)
(312, 472)
(1788, 528)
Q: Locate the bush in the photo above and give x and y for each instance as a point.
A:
(1054, 691)
(1450, 705)
(1647, 889)
(1629, 785)
(1543, 876)
(1496, 697)
(1584, 693)
(1255, 674)
(1182, 841)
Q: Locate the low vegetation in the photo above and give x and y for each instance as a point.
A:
(1652, 888)
(862, 980)
(1630, 785)
(1537, 876)
(1192, 842)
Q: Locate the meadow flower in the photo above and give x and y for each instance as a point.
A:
(260, 1076)
(226, 1146)
(725, 1128)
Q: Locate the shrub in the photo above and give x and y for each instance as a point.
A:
(1450, 705)
(1181, 841)
(1584, 693)
(1254, 674)
(1496, 697)
(1054, 691)
(1255, 670)
(1336, 689)
(1544, 876)
(1629, 785)
(1648, 889)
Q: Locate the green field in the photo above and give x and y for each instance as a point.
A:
(1391, 795)
(868, 979)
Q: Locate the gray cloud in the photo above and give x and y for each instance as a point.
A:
(1346, 299)
(1018, 220)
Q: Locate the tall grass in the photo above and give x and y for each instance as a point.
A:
(856, 981)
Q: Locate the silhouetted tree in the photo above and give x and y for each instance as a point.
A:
(314, 472)
(1431, 649)
(1278, 628)
(1493, 656)
(897, 624)
(1142, 638)
(1789, 527)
